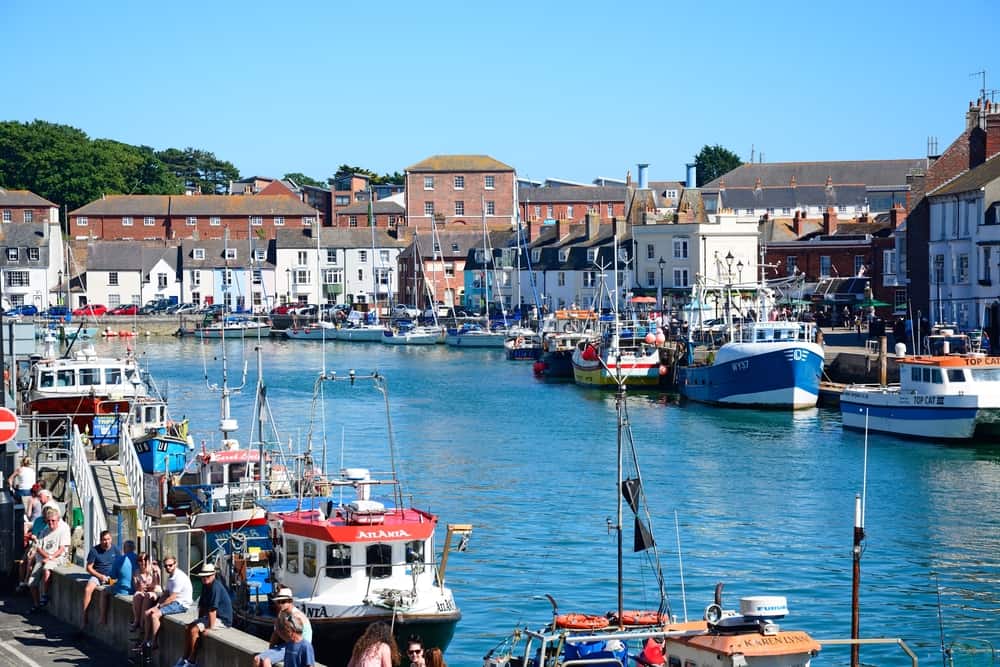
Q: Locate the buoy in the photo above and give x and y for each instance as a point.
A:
(650, 338)
(663, 370)
(660, 338)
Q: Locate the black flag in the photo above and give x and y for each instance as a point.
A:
(631, 492)
(643, 537)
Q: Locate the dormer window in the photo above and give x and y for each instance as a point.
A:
(563, 254)
(11, 254)
(480, 256)
(536, 254)
(198, 253)
(230, 253)
(591, 255)
(259, 254)
(33, 254)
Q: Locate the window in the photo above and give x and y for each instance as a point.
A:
(192, 221)
(259, 254)
(338, 561)
(536, 254)
(650, 279)
(428, 208)
(428, 182)
(437, 248)
(551, 212)
(114, 300)
(342, 200)
(841, 209)
(791, 264)
(561, 278)
(378, 559)
(113, 278)
(460, 182)
(538, 211)
(256, 220)
(671, 194)
(126, 221)
(391, 224)
(196, 277)
(415, 552)
(161, 280)
(227, 277)
(81, 221)
(449, 269)
(680, 248)
(454, 247)
(591, 255)
(459, 208)
(938, 265)
(563, 254)
(291, 556)
(589, 279)
(650, 251)
(149, 221)
(11, 254)
(491, 207)
(963, 268)
(569, 211)
(383, 256)
(309, 559)
(29, 216)
(18, 279)
(611, 210)
(199, 253)
(680, 277)
(824, 266)
(307, 220)
(279, 220)
(256, 275)
(987, 271)
(352, 221)
(859, 264)
(786, 211)
(230, 253)
(362, 256)
(301, 257)
(33, 254)
(6, 216)
(361, 274)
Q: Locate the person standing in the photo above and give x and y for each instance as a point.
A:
(177, 598)
(53, 547)
(375, 648)
(215, 610)
(100, 561)
(23, 478)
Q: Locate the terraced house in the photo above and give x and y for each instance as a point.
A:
(168, 217)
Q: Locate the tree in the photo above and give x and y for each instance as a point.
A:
(200, 169)
(714, 161)
(302, 179)
(395, 178)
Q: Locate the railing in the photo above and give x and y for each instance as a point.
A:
(94, 516)
(129, 461)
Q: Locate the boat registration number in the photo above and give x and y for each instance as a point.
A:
(928, 400)
(446, 605)
(743, 365)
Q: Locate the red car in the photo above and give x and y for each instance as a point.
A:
(125, 309)
(285, 309)
(94, 309)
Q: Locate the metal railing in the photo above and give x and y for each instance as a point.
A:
(128, 459)
(82, 475)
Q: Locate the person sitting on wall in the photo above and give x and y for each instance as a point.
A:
(100, 561)
(51, 552)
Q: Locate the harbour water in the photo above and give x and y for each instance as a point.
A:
(762, 501)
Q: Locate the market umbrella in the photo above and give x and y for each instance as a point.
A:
(871, 303)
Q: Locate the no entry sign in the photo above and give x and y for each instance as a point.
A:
(8, 425)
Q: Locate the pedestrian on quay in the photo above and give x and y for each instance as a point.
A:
(415, 651)
(22, 479)
(434, 657)
(283, 603)
(126, 564)
(177, 598)
(100, 561)
(298, 651)
(51, 552)
(215, 611)
(146, 589)
(375, 648)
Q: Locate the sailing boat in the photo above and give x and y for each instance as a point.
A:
(724, 638)
(367, 329)
(320, 329)
(409, 333)
(472, 334)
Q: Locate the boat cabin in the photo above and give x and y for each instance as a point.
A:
(86, 373)
(950, 375)
(775, 332)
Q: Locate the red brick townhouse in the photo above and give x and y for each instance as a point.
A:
(168, 217)
(571, 202)
(458, 190)
(387, 214)
(25, 206)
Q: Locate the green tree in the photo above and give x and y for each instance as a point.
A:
(714, 161)
(302, 179)
(395, 178)
(199, 169)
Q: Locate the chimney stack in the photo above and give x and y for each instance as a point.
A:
(593, 221)
(972, 115)
(692, 173)
(897, 215)
(992, 129)
(799, 224)
(830, 221)
(643, 166)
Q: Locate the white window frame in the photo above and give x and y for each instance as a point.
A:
(428, 208)
(489, 182)
(29, 215)
(681, 248)
(428, 182)
(198, 253)
(81, 221)
(352, 221)
(569, 211)
(491, 207)
(148, 221)
(215, 221)
(7, 216)
(459, 182)
(230, 253)
(33, 254)
(256, 221)
(279, 221)
(192, 221)
(127, 221)
(12, 254)
(331, 255)
(459, 207)
(681, 277)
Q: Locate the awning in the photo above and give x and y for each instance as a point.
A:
(847, 291)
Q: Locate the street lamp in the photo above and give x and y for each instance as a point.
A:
(729, 284)
(938, 277)
(739, 270)
(661, 264)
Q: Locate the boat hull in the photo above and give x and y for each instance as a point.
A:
(411, 338)
(914, 415)
(311, 333)
(361, 334)
(233, 332)
(751, 375)
(475, 340)
(638, 370)
(557, 365)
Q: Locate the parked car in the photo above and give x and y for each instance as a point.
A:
(93, 309)
(26, 310)
(283, 309)
(305, 310)
(181, 308)
(125, 309)
(404, 310)
(156, 306)
(57, 311)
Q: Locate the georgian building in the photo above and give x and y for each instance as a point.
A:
(460, 191)
(23, 206)
(571, 203)
(31, 265)
(167, 217)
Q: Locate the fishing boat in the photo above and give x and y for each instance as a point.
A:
(942, 397)
(162, 444)
(353, 557)
(522, 344)
(560, 335)
(234, 326)
(729, 638)
(764, 364)
(321, 330)
(635, 353)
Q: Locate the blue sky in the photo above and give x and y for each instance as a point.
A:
(556, 89)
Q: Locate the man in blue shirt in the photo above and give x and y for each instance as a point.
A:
(215, 610)
(100, 562)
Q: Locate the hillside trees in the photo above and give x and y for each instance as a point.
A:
(200, 169)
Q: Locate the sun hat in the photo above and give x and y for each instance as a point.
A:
(284, 593)
(207, 570)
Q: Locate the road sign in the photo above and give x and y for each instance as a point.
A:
(8, 425)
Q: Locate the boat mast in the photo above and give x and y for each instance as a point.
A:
(620, 411)
(371, 223)
(486, 275)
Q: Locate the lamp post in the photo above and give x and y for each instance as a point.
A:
(59, 275)
(659, 296)
(938, 277)
(739, 271)
(729, 284)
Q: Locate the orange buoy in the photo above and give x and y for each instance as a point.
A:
(638, 617)
(581, 622)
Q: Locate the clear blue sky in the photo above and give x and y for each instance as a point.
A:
(556, 89)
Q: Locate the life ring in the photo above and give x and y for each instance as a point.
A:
(581, 622)
(639, 617)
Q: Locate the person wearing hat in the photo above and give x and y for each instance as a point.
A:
(280, 637)
(215, 610)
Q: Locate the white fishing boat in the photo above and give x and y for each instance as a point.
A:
(321, 330)
(945, 397)
(414, 335)
(361, 332)
(474, 335)
(234, 326)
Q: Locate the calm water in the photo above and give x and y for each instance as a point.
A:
(763, 501)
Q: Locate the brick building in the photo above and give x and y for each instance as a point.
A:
(460, 191)
(166, 217)
(571, 203)
(387, 214)
(24, 206)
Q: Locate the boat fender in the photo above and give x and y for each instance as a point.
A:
(581, 622)
(647, 617)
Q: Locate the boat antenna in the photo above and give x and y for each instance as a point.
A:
(620, 410)
(859, 536)
(680, 566)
